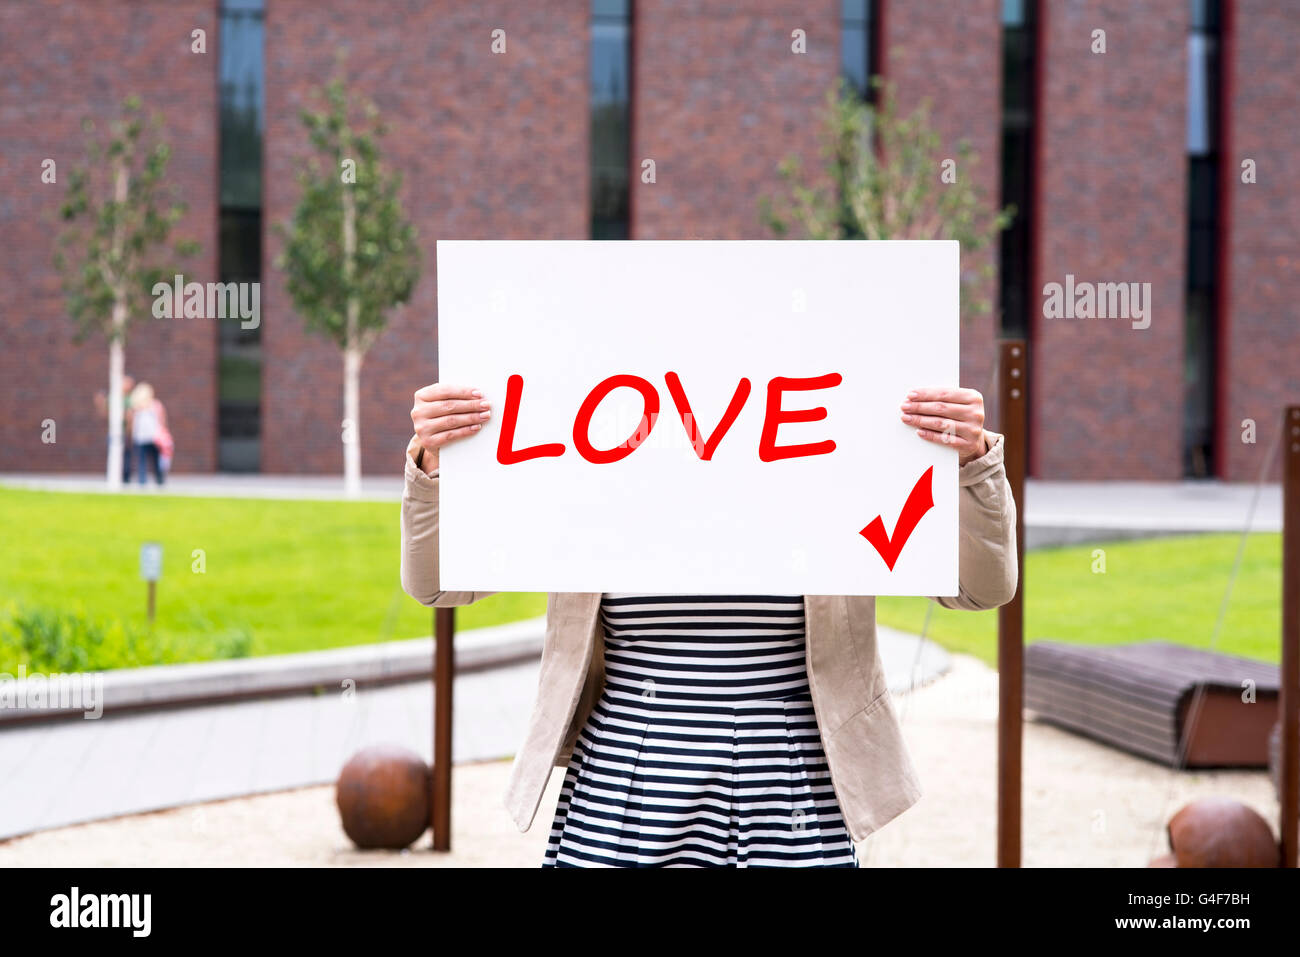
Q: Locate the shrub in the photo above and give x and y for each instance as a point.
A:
(46, 640)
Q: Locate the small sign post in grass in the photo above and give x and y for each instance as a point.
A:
(151, 571)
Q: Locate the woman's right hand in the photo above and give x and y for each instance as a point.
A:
(445, 413)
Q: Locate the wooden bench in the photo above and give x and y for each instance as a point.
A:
(1138, 697)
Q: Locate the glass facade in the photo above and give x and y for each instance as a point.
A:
(611, 81)
(242, 104)
(1199, 340)
(859, 64)
(859, 56)
(1018, 78)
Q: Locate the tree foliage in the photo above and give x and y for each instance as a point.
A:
(119, 211)
(385, 264)
(884, 179)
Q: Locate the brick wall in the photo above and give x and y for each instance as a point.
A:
(1263, 333)
(1106, 399)
(497, 146)
(60, 63)
(490, 146)
(951, 55)
(720, 100)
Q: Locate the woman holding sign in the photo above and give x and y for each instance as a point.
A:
(717, 730)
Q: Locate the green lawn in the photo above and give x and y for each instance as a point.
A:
(279, 576)
(1165, 588)
(291, 576)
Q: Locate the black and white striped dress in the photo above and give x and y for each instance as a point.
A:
(703, 749)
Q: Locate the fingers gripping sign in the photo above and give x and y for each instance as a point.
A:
(951, 417)
(445, 413)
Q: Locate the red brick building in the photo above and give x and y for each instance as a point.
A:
(1125, 150)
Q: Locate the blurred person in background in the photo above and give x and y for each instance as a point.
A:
(149, 433)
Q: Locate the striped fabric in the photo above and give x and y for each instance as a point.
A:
(703, 749)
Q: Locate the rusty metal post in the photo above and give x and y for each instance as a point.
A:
(1013, 374)
(1289, 705)
(444, 627)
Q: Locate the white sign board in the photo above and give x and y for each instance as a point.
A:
(151, 561)
(574, 486)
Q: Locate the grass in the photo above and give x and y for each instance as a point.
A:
(285, 575)
(1166, 588)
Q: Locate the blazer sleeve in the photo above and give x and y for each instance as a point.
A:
(420, 542)
(987, 569)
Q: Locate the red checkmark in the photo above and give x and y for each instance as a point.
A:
(919, 501)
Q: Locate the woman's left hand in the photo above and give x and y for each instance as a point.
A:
(951, 417)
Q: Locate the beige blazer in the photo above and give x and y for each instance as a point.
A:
(870, 769)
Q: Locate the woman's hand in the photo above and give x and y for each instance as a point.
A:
(445, 413)
(951, 417)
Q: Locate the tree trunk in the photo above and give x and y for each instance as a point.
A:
(117, 343)
(352, 420)
(116, 367)
(351, 356)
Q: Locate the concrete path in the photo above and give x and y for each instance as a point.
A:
(75, 770)
(1085, 805)
(382, 488)
(72, 770)
(1063, 513)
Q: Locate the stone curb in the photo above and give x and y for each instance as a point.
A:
(159, 686)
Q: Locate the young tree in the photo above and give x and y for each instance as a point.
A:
(350, 253)
(120, 211)
(886, 177)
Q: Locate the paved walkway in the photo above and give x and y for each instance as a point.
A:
(1085, 805)
(71, 770)
(373, 488)
(1062, 513)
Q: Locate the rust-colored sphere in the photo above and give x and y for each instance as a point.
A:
(1221, 832)
(383, 797)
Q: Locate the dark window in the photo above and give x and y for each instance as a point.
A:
(239, 352)
(859, 53)
(859, 65)
(1018, 74)
(611, 32)
(1202, 238)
